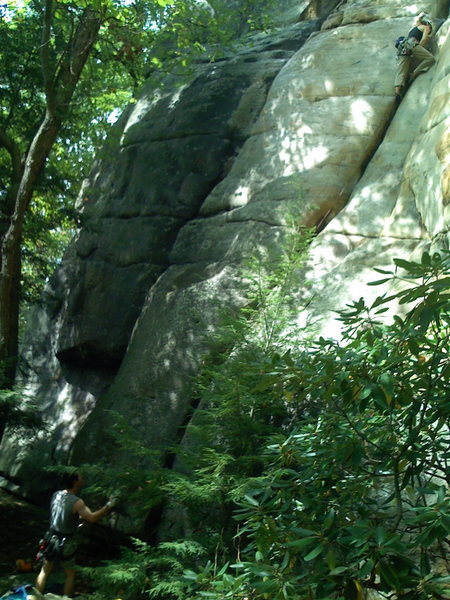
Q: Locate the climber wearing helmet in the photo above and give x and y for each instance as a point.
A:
(412, 51)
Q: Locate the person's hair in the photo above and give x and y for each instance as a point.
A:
(425, 19)
(68, 479)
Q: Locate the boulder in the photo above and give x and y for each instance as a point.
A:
(163, 157)
(325, 138)
(198, 177)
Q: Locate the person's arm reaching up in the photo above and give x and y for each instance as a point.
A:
(86, 513)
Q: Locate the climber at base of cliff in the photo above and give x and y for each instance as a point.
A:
(60, 542)
(412, 53)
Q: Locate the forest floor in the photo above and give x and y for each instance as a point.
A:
(21, 525)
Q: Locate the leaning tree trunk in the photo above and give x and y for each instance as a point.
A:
(10, 257)
(59, 89)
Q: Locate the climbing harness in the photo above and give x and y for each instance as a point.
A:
(405, 45)
(52, 546)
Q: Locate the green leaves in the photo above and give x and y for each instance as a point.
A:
(314, 553)
(331, 458)
(342, 505)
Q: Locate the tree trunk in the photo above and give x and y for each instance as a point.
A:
(10, 275)
(59, 88)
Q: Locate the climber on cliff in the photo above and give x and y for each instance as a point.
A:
(412, 52)
(60, 542)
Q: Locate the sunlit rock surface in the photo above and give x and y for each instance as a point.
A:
(399, 206)
(198, 177)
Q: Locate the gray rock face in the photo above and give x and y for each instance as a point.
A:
(174, 146)
(162, 160)
(197, 177)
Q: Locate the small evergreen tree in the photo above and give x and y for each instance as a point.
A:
(224, 443)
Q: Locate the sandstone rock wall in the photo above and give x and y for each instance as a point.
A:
(198, 177)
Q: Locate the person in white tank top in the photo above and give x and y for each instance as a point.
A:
(66, 511)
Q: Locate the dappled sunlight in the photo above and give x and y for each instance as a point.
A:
(325, 257)
(139, 111)
(241, 196)
(304, 130)
(307, 60)
(362, 114)
(146, 102)
(413, 9)
(329, 86)
(442, 36)
(339, 276)
(369, 212)
(176, 96)
(375, 191)
(419, 158)
(315, 156)
(293, 141)
(296, 156)
(296, 153)
(311, 156)
(174, 400)
(177, 350)
(294, 146)
(73, 406)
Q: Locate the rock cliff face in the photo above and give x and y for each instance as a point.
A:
(197, 176)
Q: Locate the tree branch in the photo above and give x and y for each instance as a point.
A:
(47, 73)
(70, 69)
